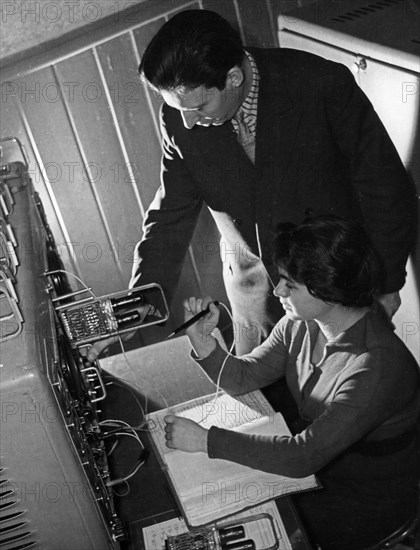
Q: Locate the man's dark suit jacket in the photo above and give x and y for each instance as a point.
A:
(320, 148)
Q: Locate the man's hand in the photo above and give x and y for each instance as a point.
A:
(390, 302)
(98, 347)
(184, 434)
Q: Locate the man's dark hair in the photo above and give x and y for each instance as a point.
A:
(332, 257)
(194, 48)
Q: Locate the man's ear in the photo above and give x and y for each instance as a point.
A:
(235, 77)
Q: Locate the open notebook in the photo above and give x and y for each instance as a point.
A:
(208, 489)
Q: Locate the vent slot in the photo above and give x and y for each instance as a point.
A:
(6, 505)
(12, 527)
(9, 517)
(14, 530)
(353, 15)
(23, 546)
(14, 538)
(5, 494)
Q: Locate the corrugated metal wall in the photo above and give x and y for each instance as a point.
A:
(90, 129)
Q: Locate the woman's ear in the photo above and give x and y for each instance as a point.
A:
(235, 77)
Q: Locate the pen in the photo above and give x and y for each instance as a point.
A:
(192, 320)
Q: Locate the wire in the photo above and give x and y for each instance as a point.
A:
(125, 479)
(218, 388)
(138, 464)
(112, 449)
(129, 434)
(130, 385)
(231, 320)
(219, 376)
(132, 393)
(73, 275)
(143, 379)
(119, 424)
(129, 431)
(257, 234)
(127, 492)
(132, 368)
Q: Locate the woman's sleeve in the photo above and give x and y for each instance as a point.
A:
(264, 365)
(365, 397)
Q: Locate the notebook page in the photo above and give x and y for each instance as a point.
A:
(190, 472)
(224, 412)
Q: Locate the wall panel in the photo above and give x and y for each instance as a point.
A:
(255, 20)
(226, 8)
(142, 37)
(134, 119)
(13, 125)
(64, 169)
(104, 163)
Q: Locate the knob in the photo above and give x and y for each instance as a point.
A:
(360, 65)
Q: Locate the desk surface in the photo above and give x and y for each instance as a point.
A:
(155, 505)
(165, 375)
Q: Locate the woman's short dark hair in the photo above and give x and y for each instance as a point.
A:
(194, 48)
(332, 257)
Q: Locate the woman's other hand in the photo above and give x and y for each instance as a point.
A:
(184, 434)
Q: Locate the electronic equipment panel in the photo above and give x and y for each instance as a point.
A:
(54, 468)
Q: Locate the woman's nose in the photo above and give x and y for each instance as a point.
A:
(281, 290)
(189, 119)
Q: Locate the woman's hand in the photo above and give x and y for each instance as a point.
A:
(200, 332)
(184, 434)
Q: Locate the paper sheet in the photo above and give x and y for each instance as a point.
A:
(155, 535)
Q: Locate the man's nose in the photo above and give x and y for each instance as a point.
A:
(189, 119)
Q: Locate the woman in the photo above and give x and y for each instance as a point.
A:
(355, 384)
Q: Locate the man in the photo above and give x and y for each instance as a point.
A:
(262, 137)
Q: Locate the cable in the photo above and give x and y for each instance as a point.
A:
(219, 376)
(114, 446)
(127, 492)
(128, 434)
(138, 428)
(120, 424)
(125, 479)
(125, 387)
(125, 384)
(73, 275)
(218, 388)
(118, 481)
(132, 368)
(143, 455)
(231, 320)
(257, 234)
(145, 379)
(129, 431)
